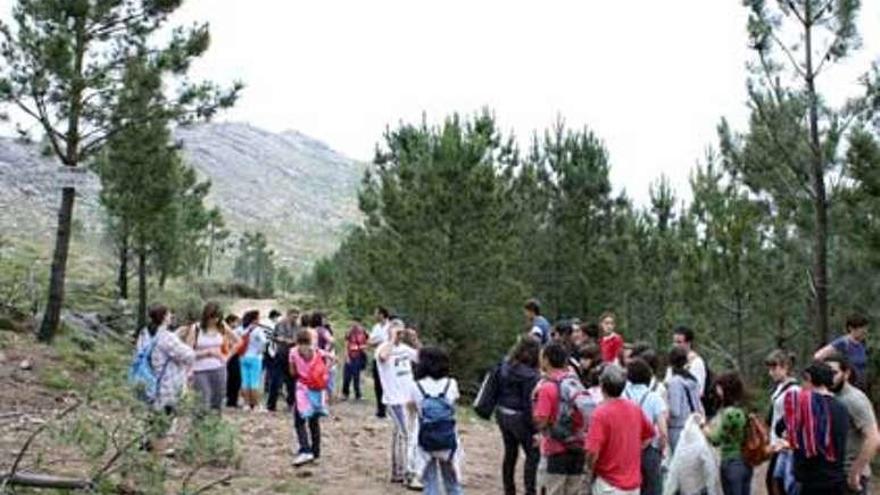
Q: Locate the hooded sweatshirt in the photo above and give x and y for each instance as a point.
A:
(515, 386)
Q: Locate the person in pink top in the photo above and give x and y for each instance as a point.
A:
(611, 342)
(310, 368)
(614, 452)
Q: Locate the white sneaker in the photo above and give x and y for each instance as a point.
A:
(415, 484)
(303, 458)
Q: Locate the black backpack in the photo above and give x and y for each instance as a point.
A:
(709, 399)
(487, 397)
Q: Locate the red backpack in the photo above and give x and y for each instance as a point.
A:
(318, 375)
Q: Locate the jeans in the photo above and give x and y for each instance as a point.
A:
(377, 386)
(351, 374)
(783, 473)
(736, 477)
(211, 387)
(652, 458)
(279, 377)
(308, 445)
(403, 438)
(233, 381)
(437, 471)
(517, 434)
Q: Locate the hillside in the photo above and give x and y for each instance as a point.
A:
(296, 189)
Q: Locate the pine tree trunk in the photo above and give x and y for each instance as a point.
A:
(820, 204)
(52, 316)
(123, 265)
(142, 288)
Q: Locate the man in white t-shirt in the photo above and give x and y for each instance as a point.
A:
(378, 336)
(395, 358)
(684, 337)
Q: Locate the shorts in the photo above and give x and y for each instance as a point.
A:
(251, 372)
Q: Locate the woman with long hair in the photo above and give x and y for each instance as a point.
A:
(212, 342)
(517, 378)
(250, 348)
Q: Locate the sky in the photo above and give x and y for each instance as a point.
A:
(651, 78)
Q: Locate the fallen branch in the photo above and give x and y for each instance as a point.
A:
(208, 486)
(36, 480)
(12, 471)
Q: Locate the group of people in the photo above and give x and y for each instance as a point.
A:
(594, 414)
(590, 412)
(231, 359)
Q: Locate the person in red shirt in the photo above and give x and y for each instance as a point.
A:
(564, 458)
(355, 359)
(611, 343)
(614, 452)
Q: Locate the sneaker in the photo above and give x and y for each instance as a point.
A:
(415, 484)
(303, 458)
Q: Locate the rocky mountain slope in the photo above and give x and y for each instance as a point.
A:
(295, 189)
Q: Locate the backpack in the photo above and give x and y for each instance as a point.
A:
(756, 445)
(573, 397)
(709, 398)
(318, 375)
(437, 422)
(487, 397)
(141, 376)
(244, 343)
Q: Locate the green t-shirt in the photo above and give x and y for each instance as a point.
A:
(728, 432)
(861, 418)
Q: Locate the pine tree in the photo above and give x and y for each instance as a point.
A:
(64, 64)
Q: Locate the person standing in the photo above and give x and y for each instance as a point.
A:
(539, 327)
(683, 393)
(817, 426)
(639, 376)
(615, 452)
(378, 336)
(253, 342)
(233, 365)
(728, 432)
(561, 445)
(851, 345)
(309, 366)
(213, 343)
(611, 342)
(355, 359)
(433, 397)
(683, 337)
(396, 358)
(780, 471)
(863, 439)
(517, 378)
(283, 338)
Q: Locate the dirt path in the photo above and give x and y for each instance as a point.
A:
(355, 454)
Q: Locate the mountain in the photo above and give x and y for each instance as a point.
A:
(297, 190)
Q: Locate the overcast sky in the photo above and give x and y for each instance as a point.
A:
(651, 78)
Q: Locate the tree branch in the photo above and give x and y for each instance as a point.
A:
(30, 440)
(791, 58)
(208, 486)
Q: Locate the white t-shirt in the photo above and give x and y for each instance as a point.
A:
(379, 334)
(433, 388)
(396, 374)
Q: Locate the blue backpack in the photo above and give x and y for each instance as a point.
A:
(437, 422)
(141, 376)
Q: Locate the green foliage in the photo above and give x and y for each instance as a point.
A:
(460, 228)
(255, 264)
(68, 66)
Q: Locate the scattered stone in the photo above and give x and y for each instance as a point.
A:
(2, 357)
(25, 365)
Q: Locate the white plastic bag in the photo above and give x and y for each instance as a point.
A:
(693, 466)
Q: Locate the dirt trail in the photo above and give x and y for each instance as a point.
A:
(355, 454)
